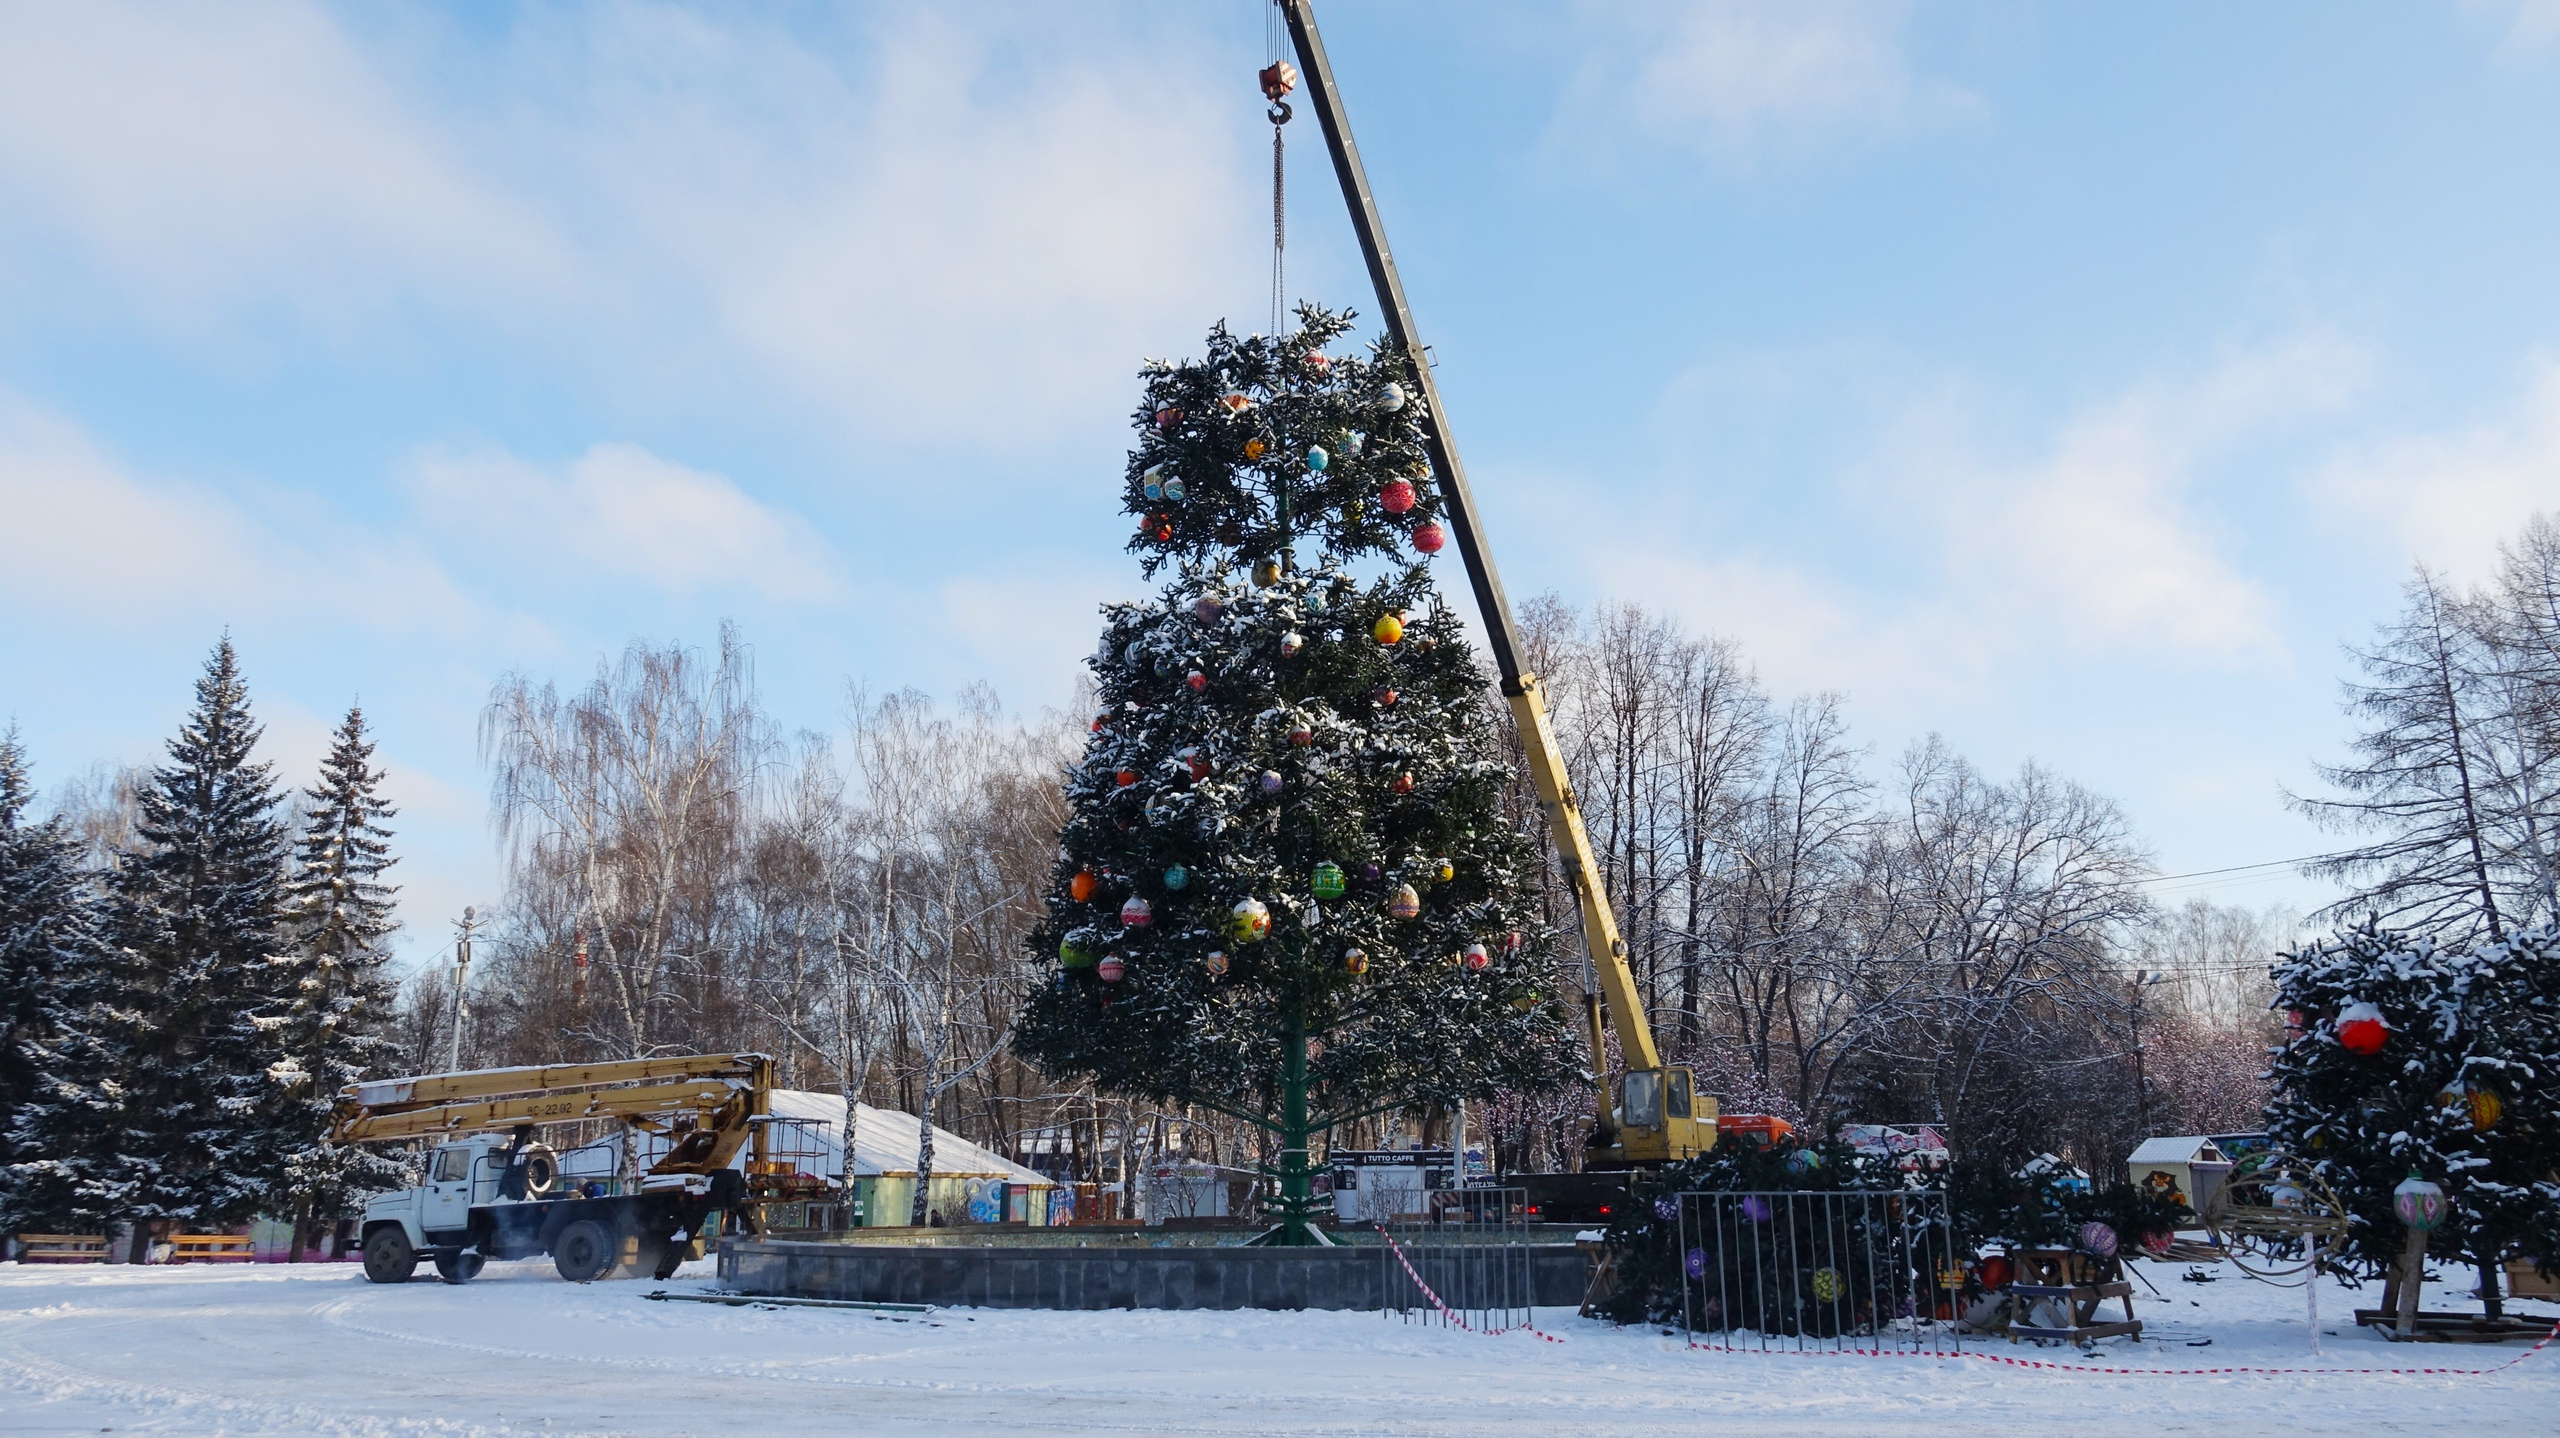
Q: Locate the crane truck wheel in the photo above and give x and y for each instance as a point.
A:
(584, 1252)
(388, 1258)
(459, 1267)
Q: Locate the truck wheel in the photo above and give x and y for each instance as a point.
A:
(584, 1251)
(388, 1258)
(459, 1267)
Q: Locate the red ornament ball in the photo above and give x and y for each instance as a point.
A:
(1996, 1271)
(1396, 495)
(1197, 680)
(1126, 777)
(1403, 784)
(1198, 761)
(1383, 696)
(1512, 941)
(1474, 958)
(1168, 417)
(1137, 913)
(2362, 1030)
(1111, 969)
(1159, 527)
(1428, 538)
(1302, 736)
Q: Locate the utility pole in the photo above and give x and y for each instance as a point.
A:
(2142, 979)
(461, 979)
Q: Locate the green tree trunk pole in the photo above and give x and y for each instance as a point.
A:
(1297, 1191)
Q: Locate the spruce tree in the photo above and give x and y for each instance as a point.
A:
(335, 999)
(2461, 1091)
(57, 1019)
(197, 910)
(1286, 890)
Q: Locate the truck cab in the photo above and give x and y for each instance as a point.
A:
(500, 1196)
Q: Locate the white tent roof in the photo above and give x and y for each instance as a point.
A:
(885, 1142)
(2184, 1148)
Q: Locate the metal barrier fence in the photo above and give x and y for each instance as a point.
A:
(1837, 1272)
(1464, 1263)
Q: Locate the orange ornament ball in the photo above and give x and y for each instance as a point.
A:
(1387, 630)
(1081, 887)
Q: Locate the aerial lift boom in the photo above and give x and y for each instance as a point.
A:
(1658, 1116)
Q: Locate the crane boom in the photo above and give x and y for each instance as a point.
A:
(1676, 1134)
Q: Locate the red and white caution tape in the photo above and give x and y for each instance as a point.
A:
(2546, 1342)
(1445, 1310)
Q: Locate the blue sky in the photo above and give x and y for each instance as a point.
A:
(2072, 381)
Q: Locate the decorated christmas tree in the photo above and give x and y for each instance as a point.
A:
(2402, 1059)
(1286, 891)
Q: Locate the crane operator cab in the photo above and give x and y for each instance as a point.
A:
(1659, 1117)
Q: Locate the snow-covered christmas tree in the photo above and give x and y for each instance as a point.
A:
(57, 984)
(333, 996)
(2404, 1058)
(1286, 890)
(196, 907)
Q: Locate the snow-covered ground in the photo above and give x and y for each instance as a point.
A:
(281, 1349)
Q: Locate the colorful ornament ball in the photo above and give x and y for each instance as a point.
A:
(1327, 881)
(1396, 496)
(1081, 887)
(1404, 903)
(1317, 459)
(2362, 1030)
(1429, 538)
(1249, 922)
(1355, 961)
(1387, 630)
(1110, 969)
(1137, 913)
(1216, 964)
(1177, 877)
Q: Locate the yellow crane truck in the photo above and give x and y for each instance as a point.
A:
(1651, 1113)
(492, 1189)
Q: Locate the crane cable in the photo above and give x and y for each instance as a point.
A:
(1278, 78)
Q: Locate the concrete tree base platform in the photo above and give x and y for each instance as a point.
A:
(1051, 1275)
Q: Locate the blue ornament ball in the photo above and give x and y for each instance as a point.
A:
(1177, 877)
(1317, 459)
(1803, 1160)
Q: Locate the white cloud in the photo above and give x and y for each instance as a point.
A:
(960, 230)
(2449, 500)
(2101, 545)
(622, 513)
(201, 158)
(2529, 26)
(1939, 566)
(84, 534)
(1736, 81)
(90, 537)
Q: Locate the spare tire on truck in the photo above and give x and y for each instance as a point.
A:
(585, 1251)
(388, 1257)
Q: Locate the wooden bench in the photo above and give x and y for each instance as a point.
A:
(2078, 1283)
(211, 1248)
(62, 1248)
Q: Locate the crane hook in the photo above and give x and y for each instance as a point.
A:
(1280, 112)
